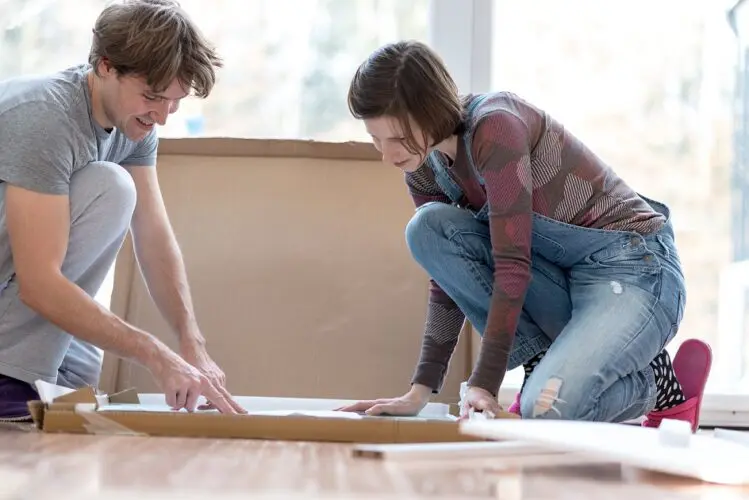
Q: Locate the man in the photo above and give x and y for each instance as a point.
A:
(77, 170)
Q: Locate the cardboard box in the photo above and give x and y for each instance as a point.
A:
(293, 419)
(314, 296)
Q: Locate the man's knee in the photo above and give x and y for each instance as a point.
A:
(81, 366)
(106, 188)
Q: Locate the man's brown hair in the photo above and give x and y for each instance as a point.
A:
(155, 40)
(408, 79)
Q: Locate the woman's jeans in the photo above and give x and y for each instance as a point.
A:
(604, 303)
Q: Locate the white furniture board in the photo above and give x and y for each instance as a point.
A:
(161, 408)
(741, 437)
(255, 404)
(450, 451)
(699, 456)
(313, 407)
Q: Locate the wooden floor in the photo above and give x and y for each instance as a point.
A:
(35, 466)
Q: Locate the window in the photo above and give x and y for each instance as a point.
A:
(649, 87)
(284, 76)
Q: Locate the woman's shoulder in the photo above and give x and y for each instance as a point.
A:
(502, 112)
(500, 104)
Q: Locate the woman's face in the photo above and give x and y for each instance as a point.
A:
(390, 140)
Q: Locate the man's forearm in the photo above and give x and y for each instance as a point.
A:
(163, 269)
(66, 305)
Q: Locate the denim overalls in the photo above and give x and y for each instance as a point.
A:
(607, 301)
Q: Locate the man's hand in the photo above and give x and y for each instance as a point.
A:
(198, 357)
(479, 400)
(183, 383)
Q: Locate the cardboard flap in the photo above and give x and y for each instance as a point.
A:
(85, 395)
(128, 396)
(51, 393)
(36, 410)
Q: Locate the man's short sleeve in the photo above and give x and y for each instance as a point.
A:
(145, 153)
(36, 148)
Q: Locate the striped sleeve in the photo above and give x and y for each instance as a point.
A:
(444, 319)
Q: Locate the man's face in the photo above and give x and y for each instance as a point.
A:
(389, 139)
(131, 106)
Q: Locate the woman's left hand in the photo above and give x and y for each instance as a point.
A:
(479, 400)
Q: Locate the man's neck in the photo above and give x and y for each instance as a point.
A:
(97, 109)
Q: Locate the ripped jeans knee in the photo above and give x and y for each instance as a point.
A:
(546, 402)
(548, 399)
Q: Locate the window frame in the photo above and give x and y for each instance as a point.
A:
(460, 27)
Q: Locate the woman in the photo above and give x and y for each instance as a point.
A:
(524, 231)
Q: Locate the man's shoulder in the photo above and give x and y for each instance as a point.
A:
(38, 96)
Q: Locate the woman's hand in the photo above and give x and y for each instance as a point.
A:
(479, 400)
(409, 404)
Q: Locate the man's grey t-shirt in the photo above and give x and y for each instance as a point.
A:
(47, 132)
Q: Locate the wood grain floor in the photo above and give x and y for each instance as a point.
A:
(34, 466)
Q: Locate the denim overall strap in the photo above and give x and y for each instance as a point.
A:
(468, 134)
(443, 179)
(442, 176)
(483, 213)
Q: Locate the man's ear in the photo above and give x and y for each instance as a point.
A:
(106, 68)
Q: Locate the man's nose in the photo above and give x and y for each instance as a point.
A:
(161, 113)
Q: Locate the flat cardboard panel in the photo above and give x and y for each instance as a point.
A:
(300, 274)
(289, 428)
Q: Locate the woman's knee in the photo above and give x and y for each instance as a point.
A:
(432, 225)
(559, 397)
(426, 228)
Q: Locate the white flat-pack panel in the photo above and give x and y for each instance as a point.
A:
(667, 450)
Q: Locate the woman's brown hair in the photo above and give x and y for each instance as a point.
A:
(403, 80)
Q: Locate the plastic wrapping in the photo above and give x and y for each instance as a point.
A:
(472, 414)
